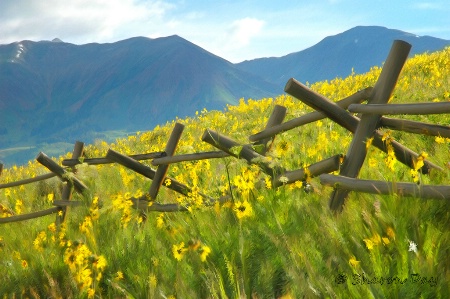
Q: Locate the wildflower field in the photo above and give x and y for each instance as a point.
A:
(262, 242)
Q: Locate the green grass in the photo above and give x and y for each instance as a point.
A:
(290, 246)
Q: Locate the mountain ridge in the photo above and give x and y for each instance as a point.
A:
(53, 91)
(57, 92)
(358, 48)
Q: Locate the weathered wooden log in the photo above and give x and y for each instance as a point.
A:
(380, 187)
(38, 178)
(350, 122)
(381, 93)
(98, 161)
(161, 171)
(357, 97)
(237, 150)
(415, 127)
(66, 194)
(189, 157)
(150, 173)
(399, 109)
(325, 166)
(29, 215)
(61, 172)
(276, 118)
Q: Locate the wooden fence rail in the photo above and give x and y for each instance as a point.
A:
(396, 109)
(28, 181)
(99, 161)
(380, 187)
(363, 128)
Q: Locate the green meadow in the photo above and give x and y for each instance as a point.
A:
(262, 242)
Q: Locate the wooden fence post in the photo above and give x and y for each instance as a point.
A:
(149, 173)
(365, 130)
(161, 171)
(67, 189)
(244, 151)
(276, 118)
(61, 172)
(350, 122)
(357, 97)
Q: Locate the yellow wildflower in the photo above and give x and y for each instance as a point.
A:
(376, 239)
(160, 221)
(268, 182)
(390, 232)
(18, 206)
(50, 197)
(167, 182)
(24, 264)
(369, 143)
(439, 139)
(152, 280)
(100, 263)
(119, 276)
(353, 262)
(52, 227)
(373, 162)
(243, 209)
(178, 251)
(204, 252)
(369, 243)
(298, 184)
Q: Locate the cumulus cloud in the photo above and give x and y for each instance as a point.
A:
(241, 31)
(81, 20)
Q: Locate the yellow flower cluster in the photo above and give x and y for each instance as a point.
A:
(50, 237)
(123, 204)
(86, 267)
(376, 239)
(390, 159)
(179, 250)
(245, 181)
(418, 163)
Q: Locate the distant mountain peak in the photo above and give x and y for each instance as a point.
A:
(358, 48)
(56, 40)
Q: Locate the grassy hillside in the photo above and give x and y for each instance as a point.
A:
(263, 243)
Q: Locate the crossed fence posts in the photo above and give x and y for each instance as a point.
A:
(363, 128)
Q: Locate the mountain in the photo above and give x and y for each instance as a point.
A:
(59, 92)
(359, 48)
(53, 93)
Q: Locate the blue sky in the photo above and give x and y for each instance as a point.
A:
(234, 30)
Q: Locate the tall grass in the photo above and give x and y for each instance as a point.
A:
(263, 243)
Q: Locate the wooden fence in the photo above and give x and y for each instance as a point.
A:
(363, 128)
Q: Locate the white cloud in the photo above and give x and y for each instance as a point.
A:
(241, 31)
(77, 20)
